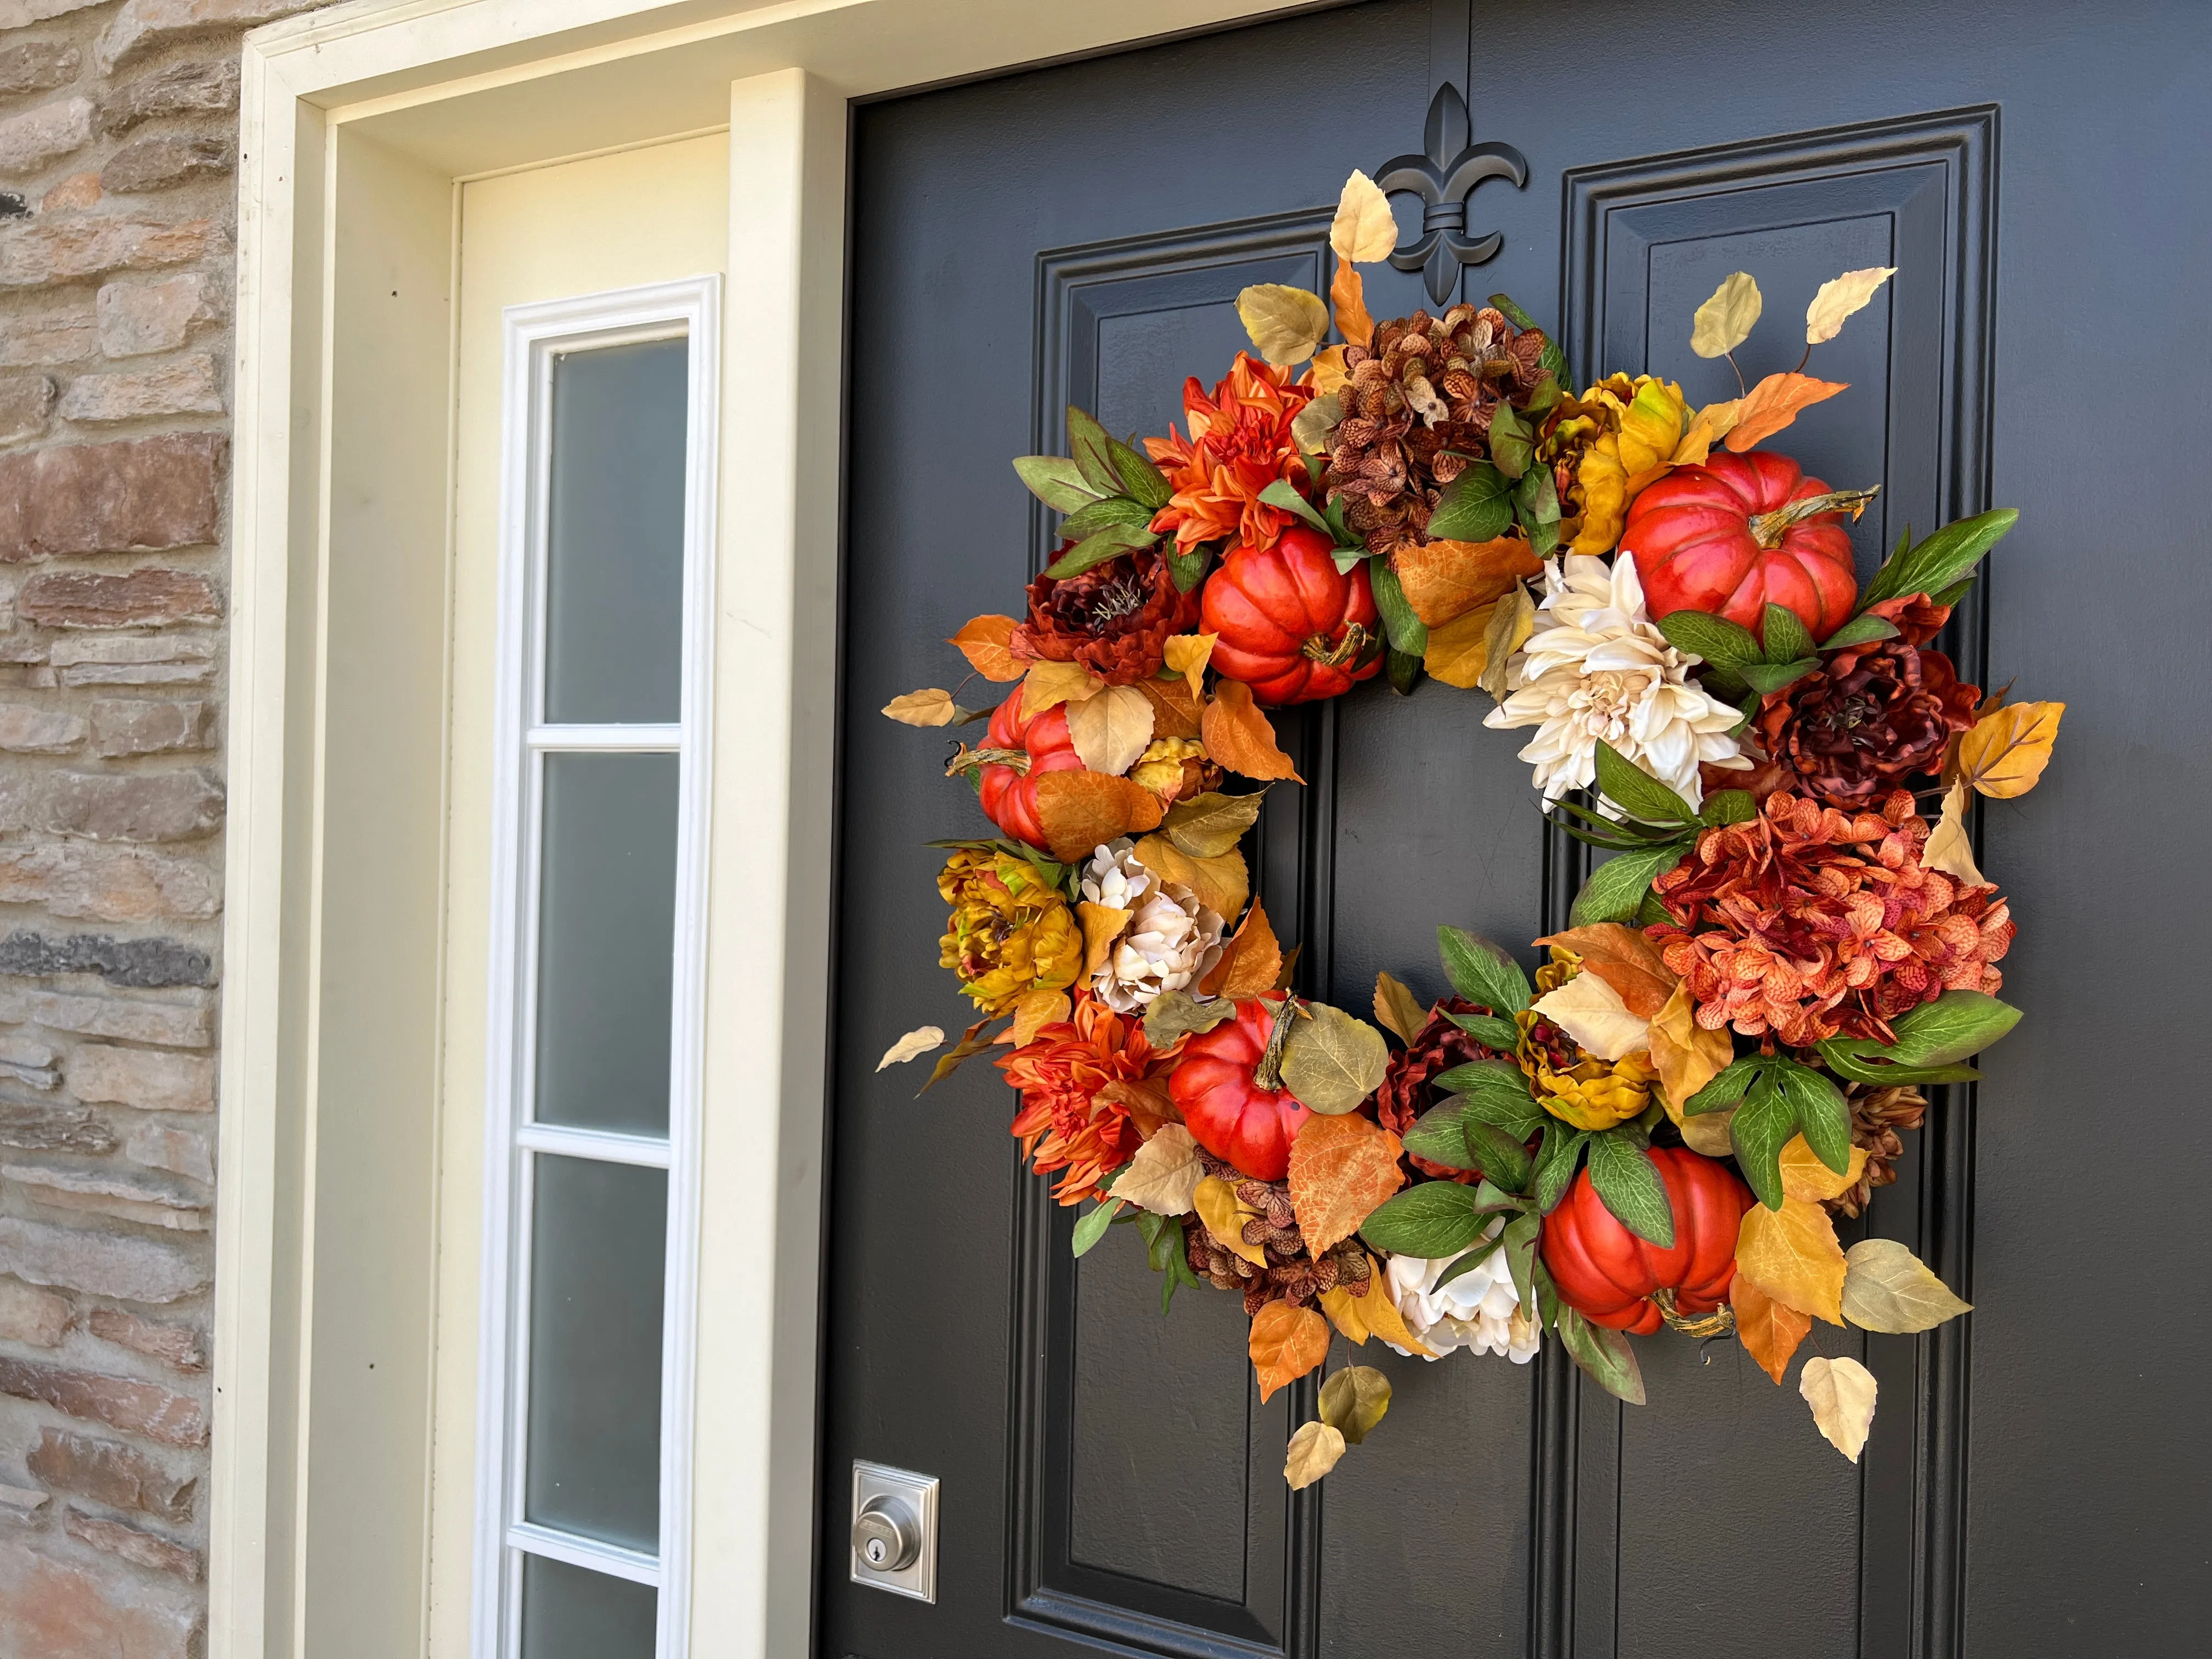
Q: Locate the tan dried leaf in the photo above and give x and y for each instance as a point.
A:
(1707, 1134)
(1285, 323)
(1222, 884)
(1399, 1009)
(1792, 1254)
(1839, 298)
(916, 1042)
(1724, 322)
(1769, 1330)
(1592, 1012)
(1173, 1015)
(1803, 1175)
(1035, 1010)
(1623, 959)
(1238, 735)
(1287, 1342)
(929, 707)
(984, 641)
(1512, 620)
(1310, 426)
(1188, 654)
(1333, 1061)
(1081, 811)
(1164, 1177)
(1224, 1215)
(1110, 728)
(1341, 1168)
(1149, 1104)
(2006, 752)
(1841, 1392)
(1314, 1451)
(1354, 1400)
(1686, 1055)
(1364, 229)
(1888, 1288)
(1949, 847)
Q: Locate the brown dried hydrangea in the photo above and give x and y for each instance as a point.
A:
(1807, 922)
(1292, 1274)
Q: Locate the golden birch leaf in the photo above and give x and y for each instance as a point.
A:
(1379, 1314)
(1803, 1175)
(1343, 1310)
(1773, 403)
(1445, 579)
(1341, 1169)
(2006, 752)
(1188, 654)
(1364, 229)
(1769, 1330)
(1512, 622)
(1081, 811)
(1236, 733)
(1839, 298)
(1332, 1061)
(1948, 848)
(1110, 728)
(1222, 884)
(1724, 322)
(1707, 1134)
(1329, 374)
(1175, 708)
(1592, 1012)
(1285, 323)
(985, 642)
(1206, 826)
(1623, 959)
(1047, 683)
(1398, 1009)
(1841, 1394)
(929, 707)
(1888, 1288)
(1035, 1010)
(1311, 426)
(1459, 650)
(1102, 926)
(1224, 1215)
(1686, 1055)
(1354, 1400)
(1314, 1451)
(1707, 428)
(1792, 1254)
(1164, 1177)
(918, 1041)
(1287, 1342)
(1251, 963)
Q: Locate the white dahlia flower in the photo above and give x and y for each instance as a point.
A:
(1480, 1309)
(1597, 667)
(1171, 940)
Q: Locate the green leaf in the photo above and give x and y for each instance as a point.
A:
(1436, 1219)
(1489, 1030)
(1109, 543)
(1846, 1064)
(1954, 593)
(1726, 1088)
(1090, 520)
(1491, 1198)
(1092, 1227)
(1284, 493)
(1188, 570)
(1468, 1263)
(1402, 668)
(1605, 1356)
(1477, 506)
(1499, 1078)
(1552, 360)
(1823, 1117)
(1093, 452)
(1439, 1134)
(1482, 973)
(1759, 1130)
(1555, 1163)
(1768, 678)
(1498, 1155)
(1787, 639)
(1716, 639)
(1547, 1298)
(1636, 792)
(1859, 630)
(1406, 631)
(1628, 1183)
(1945, 557)
(1056, 481)
(1536, 505)
(1651, 913)
(1519, 1118)
(1956, 1026)
(1512, 445)
(1520, 1239)
(1616, 888)
(1140, 477)
(1729, 806)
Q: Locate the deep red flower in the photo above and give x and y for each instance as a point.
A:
(1438, 1047)
(1114, 619)
(1867, 718)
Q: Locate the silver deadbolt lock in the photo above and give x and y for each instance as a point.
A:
(894, 1530)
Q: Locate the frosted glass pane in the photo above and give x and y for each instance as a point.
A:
(614, 590)
(606, 941)
(570, 1614)
(599, 1238)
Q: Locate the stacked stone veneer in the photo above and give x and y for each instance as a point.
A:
(118, 154)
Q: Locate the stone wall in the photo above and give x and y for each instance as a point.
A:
(117, 144)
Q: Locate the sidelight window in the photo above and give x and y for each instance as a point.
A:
(606, 517)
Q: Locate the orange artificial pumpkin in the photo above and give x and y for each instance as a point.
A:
(1609, 1275)
(1738, 534)
(1010, 795)
(1287, 623)
(1227, 1112)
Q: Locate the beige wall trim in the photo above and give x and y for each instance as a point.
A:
(356, 123)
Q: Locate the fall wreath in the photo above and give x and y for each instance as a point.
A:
(1717, 1057)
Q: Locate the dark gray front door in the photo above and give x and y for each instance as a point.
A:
(2035, 1481)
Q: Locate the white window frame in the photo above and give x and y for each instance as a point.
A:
(533, 336)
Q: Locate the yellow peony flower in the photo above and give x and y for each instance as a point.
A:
(1010, 932)
(1619, 438)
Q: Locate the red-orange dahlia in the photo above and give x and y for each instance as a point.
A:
(1063, 1124)
(1240, 442)
(1806, 921)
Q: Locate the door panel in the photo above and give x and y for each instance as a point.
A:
(1074, 234)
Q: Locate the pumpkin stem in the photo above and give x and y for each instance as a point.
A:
(968, 760)
(1719, 1322)
(1268, 1073)
(1336, 656)
(1768, 528)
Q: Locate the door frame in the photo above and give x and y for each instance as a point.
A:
(357, 127)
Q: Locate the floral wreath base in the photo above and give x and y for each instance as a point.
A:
(1717, 1058)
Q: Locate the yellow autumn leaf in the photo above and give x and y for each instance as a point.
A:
(1364, 229)
(1314, 1451)
(1512, 624)
(928, 708)
(1035, 1010)
(1379, 1314)
(1102, 926)
(1948, 848)
(1222, 883)
(1355, 1400)
(1803, 1175)
(1188, 654)
(1398, 1009)
(1841, 1392)
(1792, 1254)
(1707, 428)
(1459, 650)
(1685, 1056)
(1343, 1310)
(1050, 682)
(1839, 298)
(1285, 323)
(1329, 374)
(1724, 322)
(1224, 1215)
(1110, 728)
(2006, 752)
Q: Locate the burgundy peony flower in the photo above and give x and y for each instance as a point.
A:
(1438, 1047)
(1867, 718)
(1114, 618)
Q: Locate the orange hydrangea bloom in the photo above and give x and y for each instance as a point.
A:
(1062, 1124)
(1806, 922)
(1240, 442)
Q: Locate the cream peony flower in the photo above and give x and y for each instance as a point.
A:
(1597, 667)
(1480, 1309)
(1171, 940)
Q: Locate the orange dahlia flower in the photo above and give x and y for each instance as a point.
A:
(1806, 922)
(1063, 1124)
(1240, 442)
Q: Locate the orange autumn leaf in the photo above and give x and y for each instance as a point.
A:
(1769, 1330)
(1286, 1343)
(1445, 580)
(1083, 810)
(1222, 882)
(984, 642)
(1685, 1054)
(1341, 1168)
(1175, 708)
(1774, 403)
(1793, 1256)
(1147, 1100)
(1623, 959)
(1236, 733)
(1347, 297)
(1251, 964)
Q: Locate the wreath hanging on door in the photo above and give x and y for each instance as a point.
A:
(1717, 1058)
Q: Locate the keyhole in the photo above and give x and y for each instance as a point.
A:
(877, 1551)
